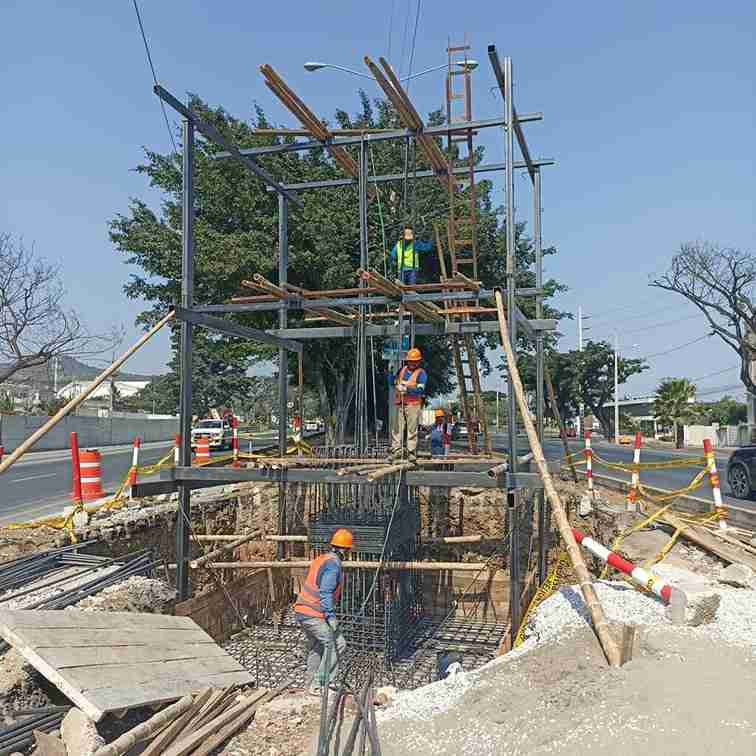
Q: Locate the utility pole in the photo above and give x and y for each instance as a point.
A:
(581, 408)
(616, 389)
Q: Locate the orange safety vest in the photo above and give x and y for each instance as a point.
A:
(410, 382)
(308, 600)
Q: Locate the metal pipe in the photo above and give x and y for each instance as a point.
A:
(283, 377)
(185, 361)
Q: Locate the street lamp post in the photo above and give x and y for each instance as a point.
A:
(616, 389)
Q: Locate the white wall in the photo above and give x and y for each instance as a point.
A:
(93, 432)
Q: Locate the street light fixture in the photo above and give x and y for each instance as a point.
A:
(312, 65)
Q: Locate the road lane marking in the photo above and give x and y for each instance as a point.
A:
(33, 477)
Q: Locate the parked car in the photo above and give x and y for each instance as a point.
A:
(741, 472)
(219, 433)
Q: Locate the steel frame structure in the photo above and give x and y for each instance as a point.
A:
(184, 477)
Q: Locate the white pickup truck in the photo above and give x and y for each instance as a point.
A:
(219, 433)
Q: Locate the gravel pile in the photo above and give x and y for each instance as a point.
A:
(137, 594)
(563, 614)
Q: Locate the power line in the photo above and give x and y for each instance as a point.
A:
(391, 26)
(676, 348)
(154, 75)
(654, 326)
(404, 38)
(412, 51)
(720, 389)
(718, 372)
(637, 317)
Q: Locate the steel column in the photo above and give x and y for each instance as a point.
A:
(185, 361)
(283, 369)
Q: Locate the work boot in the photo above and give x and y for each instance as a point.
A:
(395, 455)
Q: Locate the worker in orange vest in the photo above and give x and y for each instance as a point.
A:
(409, 394)
(315, 612)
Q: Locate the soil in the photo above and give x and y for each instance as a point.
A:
(678, 695)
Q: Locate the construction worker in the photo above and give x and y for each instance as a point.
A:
(405, 252)
(315, 612)
(409, 393)
(439, 435)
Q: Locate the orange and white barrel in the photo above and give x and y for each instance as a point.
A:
(716, 489)
(134, 461)
(203, 449)
(235, 442)
(632, 496)
(176, 449)
(90, 469)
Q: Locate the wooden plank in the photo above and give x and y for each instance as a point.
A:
(159, 691)
(96, 688)
(191, 742)
(67, 657)
(93, 620)
(73, 638)
(94, 678)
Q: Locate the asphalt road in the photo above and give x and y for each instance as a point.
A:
(671, 478)
(39, 484)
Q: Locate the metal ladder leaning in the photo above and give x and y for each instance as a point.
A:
(463, 354)
(462, 226)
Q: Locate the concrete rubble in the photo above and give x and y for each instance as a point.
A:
(137, 594)
(79, 734)
(739, 575)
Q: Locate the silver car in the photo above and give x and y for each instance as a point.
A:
(218, 432)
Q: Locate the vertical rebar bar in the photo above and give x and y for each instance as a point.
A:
(283, 378)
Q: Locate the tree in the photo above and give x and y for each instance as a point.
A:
(35, 324)
(673, 405)
(721, 282)
(236, 236)
(725, 411)
(595, 379)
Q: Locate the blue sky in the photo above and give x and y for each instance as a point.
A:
(649, 110)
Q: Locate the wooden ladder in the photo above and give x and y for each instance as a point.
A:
(462, 228)
(464, 355)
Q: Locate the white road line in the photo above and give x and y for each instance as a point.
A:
(33, 477)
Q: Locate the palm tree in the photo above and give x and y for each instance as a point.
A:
(673, 405)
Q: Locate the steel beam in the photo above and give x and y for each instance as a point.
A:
(220, 476)
(230, 328)
(421, 329)
(382, 136)
(298, 303)
(335, 183)
(494, 58)
(210, 132)
(183, 522)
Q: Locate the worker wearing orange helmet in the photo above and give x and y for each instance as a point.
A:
(315, 611)
(439, 435)
(409, 394)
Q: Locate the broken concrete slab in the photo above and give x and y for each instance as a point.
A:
(739, 575)
(79, 734)
(47, 745)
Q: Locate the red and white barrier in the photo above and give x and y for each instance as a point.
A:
(711, 466)
(632, 496)
(90, 467)
(589, 463)
(638, 575)
(2, 451)
(176, 449)
(235, 442)
(203, 450)
(134, 461)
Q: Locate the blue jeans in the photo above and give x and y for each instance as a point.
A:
(409, 276)
(319, 639)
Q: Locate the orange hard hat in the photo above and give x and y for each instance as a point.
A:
(440, 413)
(414, 355)
(342, 538)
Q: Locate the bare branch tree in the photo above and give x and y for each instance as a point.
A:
(35, 324)
(720, 282)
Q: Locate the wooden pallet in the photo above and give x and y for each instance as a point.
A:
(113, 661)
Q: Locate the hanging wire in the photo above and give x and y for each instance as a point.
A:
(154, 75)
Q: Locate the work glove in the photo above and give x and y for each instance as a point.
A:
(333, 623)
(402, 388)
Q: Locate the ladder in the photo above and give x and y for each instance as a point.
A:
(462, 229)
(464, 356)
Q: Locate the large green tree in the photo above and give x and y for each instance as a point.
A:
(236, 236)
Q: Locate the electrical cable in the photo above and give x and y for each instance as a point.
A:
(718, 372)
(154, 75)
(676, 348)
(412, 51)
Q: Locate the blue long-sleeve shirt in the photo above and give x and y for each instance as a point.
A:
(418, 245)
(329, 578)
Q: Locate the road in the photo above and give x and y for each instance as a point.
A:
(672, 478)
(39, 484)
